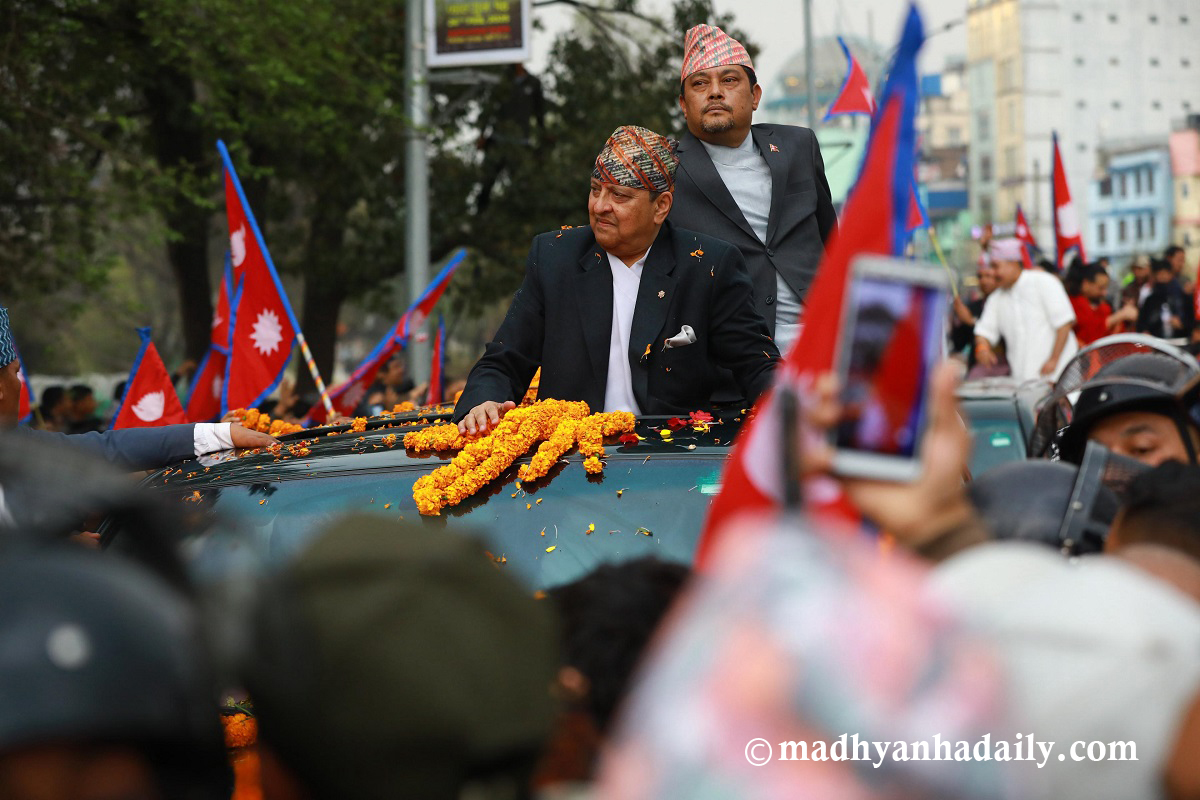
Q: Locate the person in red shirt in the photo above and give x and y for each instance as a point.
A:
(1094, 317)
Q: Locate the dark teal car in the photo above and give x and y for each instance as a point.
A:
(650, 500)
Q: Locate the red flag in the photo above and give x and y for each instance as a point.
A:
(25, 406)
(347, 395)
(204, 397)
(1023, 232)
(149, 399)
(855, 96)
(437, 377)
(420, 310)
(264, 327)
(1066, 221)
(875, 221)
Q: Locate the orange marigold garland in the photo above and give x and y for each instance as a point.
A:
(550, 451)
(241, 730)
(255, 420)
(559, 424)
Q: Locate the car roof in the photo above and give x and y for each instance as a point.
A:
(334, 449)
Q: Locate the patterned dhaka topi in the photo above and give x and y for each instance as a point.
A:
(637, 158)
(706, 47)
(8, 350)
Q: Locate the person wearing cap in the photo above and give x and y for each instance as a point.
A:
(1030, 310)
(106, 685)
(632, 312)
(133, 448)
(760, 187)
(388, 660)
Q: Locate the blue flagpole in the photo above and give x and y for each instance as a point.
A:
(287, 305)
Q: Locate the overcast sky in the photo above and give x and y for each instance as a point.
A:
(777, 26)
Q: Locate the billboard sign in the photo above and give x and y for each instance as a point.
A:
(477, 32)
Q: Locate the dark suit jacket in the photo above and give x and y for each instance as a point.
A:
(561, 319)
(801, 219)
(132, 448)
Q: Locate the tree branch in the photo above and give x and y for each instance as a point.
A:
(589, 7)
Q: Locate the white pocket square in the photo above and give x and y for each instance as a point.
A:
(685, 337)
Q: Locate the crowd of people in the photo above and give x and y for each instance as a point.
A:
(1031, 633)
(1038, 317)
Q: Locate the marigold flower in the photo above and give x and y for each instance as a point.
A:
(241, 730)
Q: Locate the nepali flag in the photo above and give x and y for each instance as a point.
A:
(204, 396)
(1026, 238)
(422, 307)
(263, 324)
(149, 400)
(25, 404)
(1066, 222)
(346, 396)
(855, 95)
(437, 370)
(875, 221)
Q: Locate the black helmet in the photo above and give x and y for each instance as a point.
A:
(95, 649)
(1067, 507)
(1127, 372)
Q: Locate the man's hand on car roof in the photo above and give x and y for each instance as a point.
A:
(246, 439)
(484, 416)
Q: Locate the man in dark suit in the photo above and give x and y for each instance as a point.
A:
(759, 187)
(133, 449)
(629, 314)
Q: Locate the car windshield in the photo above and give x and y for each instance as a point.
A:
(638, 506)
(996, 441)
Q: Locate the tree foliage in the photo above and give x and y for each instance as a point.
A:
(109, 112)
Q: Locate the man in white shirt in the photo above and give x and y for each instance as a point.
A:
(630, 313)
(1030, 310)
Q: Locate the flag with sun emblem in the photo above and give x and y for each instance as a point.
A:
(263, 324)
(149, 399)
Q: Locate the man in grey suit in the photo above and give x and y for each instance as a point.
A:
(759, 187)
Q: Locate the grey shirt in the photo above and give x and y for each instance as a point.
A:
(748, 179)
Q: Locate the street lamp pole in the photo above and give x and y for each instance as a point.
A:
(416, 184)
(808, 65)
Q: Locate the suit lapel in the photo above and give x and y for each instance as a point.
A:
(695, 160)
(777, 160)
(655, 295)
(594, 299)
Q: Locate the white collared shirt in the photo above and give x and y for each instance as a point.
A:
(618, 389)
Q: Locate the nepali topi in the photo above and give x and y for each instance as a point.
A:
(639, 159)
(1008, 249)
(707, 46)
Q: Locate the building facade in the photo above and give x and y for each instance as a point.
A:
(1092, 70)
(1185, 171)
(1130, 203)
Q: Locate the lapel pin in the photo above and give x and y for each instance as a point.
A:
(774, 149)
(645, 355)
(661, 294)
